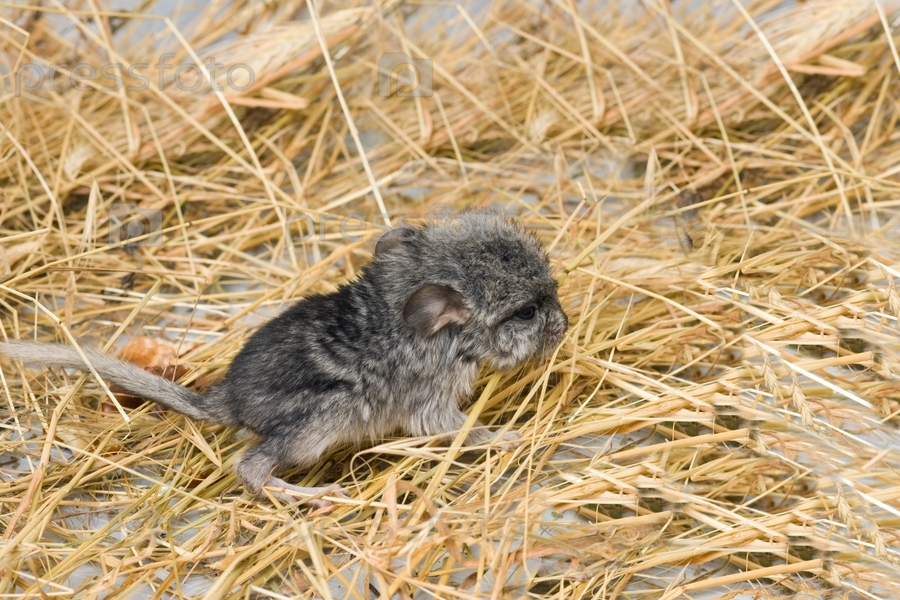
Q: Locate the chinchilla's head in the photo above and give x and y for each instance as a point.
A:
(477, 276)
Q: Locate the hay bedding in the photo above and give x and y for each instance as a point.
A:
(717, 183)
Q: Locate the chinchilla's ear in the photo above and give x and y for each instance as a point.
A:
(394, 238)
(433, 307)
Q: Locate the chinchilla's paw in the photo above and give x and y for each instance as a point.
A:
(509, 441)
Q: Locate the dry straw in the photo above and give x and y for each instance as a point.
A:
(718, 185)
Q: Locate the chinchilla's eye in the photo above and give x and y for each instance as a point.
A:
(527, 312)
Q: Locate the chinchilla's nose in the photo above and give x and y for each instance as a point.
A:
(563, 322)
(555, 328)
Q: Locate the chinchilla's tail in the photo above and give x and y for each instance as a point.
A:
(129, 376)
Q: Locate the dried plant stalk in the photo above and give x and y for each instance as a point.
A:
(717, 183)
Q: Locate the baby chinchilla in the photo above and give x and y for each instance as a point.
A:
(397, 349)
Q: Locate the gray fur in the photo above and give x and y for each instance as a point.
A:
(132, 378)
(396, 350)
